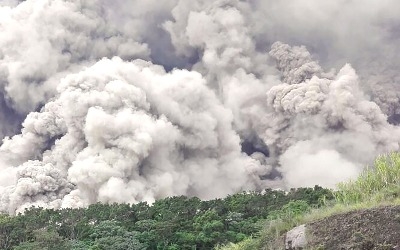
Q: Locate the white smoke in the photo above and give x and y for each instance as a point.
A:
(127, 132)
(108, 119)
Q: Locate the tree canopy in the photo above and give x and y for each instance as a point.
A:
(171, 223)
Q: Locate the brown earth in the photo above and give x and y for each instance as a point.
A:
(376, 228)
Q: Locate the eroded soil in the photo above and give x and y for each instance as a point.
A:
(377, 228)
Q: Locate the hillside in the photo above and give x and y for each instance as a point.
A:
(367, 229)
(375, 228)
(172, 223)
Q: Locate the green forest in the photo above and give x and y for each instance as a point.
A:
(170, 223)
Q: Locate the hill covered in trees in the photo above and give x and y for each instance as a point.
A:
(170, 223)
(243, 221)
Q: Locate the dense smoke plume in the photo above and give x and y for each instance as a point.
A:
(128, 101)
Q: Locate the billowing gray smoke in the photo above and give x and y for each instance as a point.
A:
(322, 124)
(128, 101)
(127, 132)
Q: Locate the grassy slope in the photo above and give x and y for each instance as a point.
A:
(375, 187)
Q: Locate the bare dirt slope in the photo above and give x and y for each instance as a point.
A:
(376, 228)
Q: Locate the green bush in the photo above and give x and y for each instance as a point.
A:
(290, 210)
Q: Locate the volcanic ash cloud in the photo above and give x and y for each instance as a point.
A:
(126, 132)
(98, 124)
(322, 127)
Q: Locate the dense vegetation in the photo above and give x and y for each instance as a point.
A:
(247, 220)
(171, 223)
